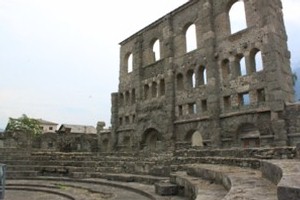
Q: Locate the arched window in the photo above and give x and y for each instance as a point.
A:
(243, 66)
(191, 38)
(237, 16)
(179, 80)
(156, 50)
(258, 62)
(255, 60)
(154, 90)
(129, 63)
(225, 67)
(191, 78)
(202, 80)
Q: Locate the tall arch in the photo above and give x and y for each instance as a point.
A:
(225, 68)
(202, 76)
(129, 62)
(237, 16)
(150, 139)
(256, 61)
(191, 37)
(156, 49)
(191, 79)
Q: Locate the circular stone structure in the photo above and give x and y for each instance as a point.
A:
(70, 190)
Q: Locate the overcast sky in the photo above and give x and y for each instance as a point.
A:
(59, 59)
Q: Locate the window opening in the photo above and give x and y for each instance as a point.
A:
(243, 66)
(156, 50)
(244, 99)
(225, 69)
(204, 76)
(237, 17)
(202, 80)
(192, 108)
(129, 63)
(191, 78)
(191, 38)
(258, 61)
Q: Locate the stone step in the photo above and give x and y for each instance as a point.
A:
(20, 174)
(197, 188)
(257, 153)
(180, 162)
(241, 183)
(17, 162)
(15, 157)
(286, 175)
(146, 179)
(20, 167)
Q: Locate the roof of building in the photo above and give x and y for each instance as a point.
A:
(46, 122)
(72, 128)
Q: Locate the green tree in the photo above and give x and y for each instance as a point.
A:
(24, 124)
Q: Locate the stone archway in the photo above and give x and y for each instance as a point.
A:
(150, 140)
(195, 138)
(248, 135)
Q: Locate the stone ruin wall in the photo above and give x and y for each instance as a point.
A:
(198, 97)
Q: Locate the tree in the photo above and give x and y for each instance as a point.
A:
(24, 124)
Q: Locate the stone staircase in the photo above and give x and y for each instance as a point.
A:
(269, 173)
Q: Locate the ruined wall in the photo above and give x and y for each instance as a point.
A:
(230, 90)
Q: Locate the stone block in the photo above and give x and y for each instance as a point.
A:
(289, 188)
(298, 151)
(166, 189)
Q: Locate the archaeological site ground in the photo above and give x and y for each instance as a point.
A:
(203, 111)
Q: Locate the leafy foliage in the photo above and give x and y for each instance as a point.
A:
(24, 124)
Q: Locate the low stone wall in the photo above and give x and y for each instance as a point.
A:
(259, 153)
(286, 175)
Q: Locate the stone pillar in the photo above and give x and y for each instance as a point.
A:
(114, 121)
(279, 129)
(206, 22)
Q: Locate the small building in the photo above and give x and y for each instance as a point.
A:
(71, 128)
(47, 126)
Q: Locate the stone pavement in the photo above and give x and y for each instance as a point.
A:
(90, 189)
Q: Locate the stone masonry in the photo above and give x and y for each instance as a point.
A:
(234, 89)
